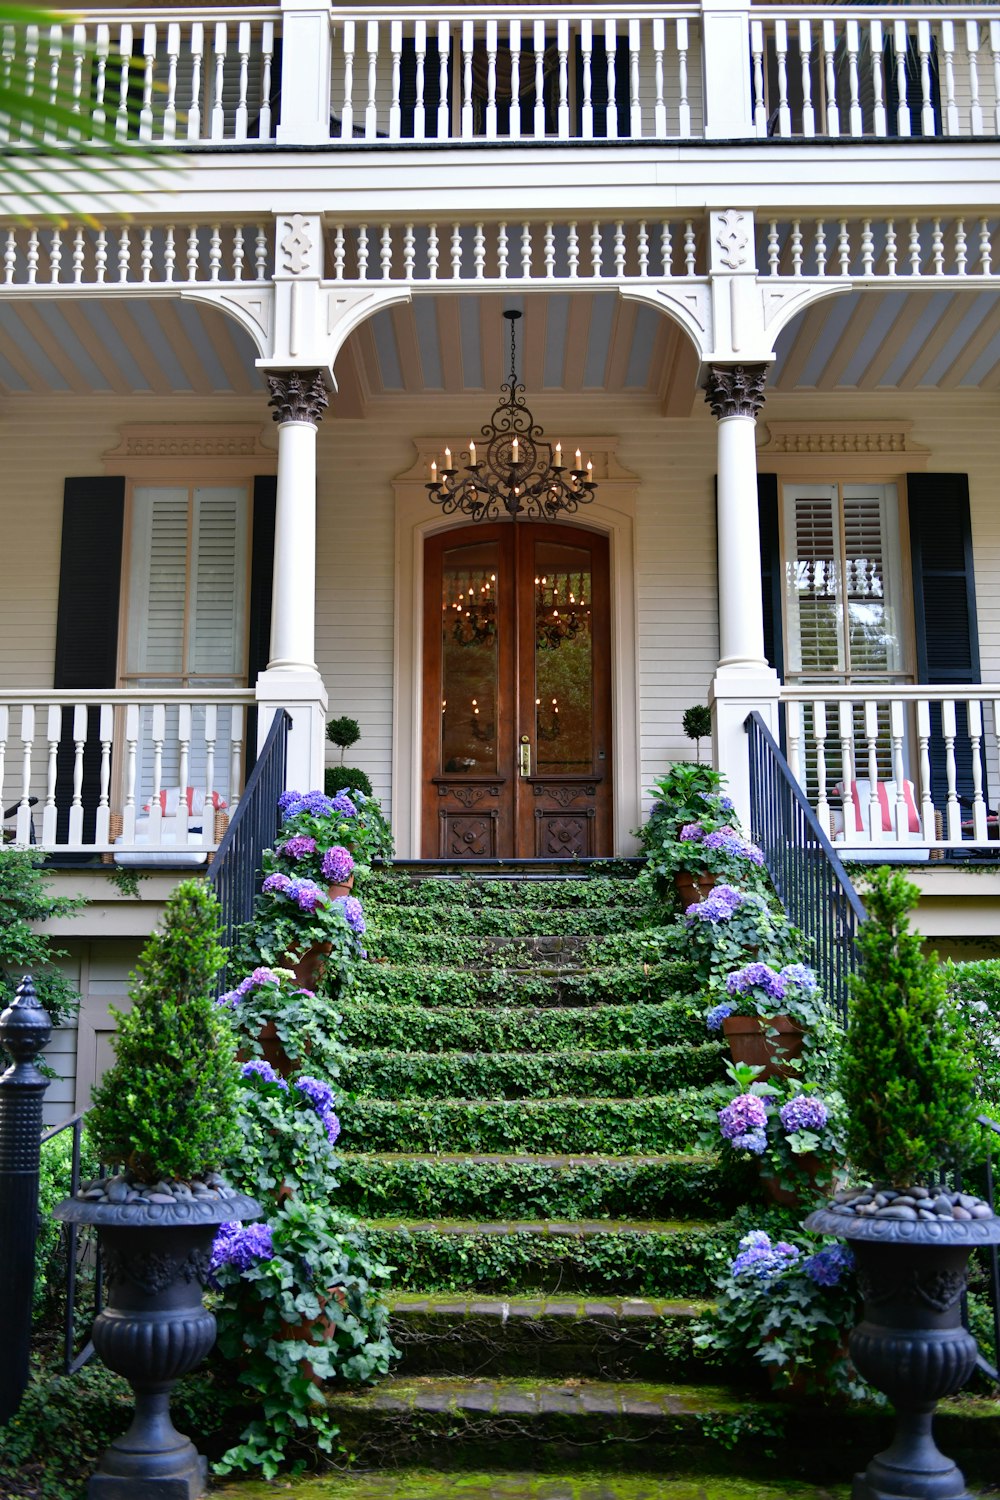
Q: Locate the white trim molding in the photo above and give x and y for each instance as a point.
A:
(872, 450)
(178, 450)
(613, 514)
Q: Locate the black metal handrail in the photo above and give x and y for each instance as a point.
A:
(810, 880)
(236, 868)
(73, 1361)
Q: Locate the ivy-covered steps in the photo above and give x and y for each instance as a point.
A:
(527, 1072)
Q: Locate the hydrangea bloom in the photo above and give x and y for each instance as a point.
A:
(338, 866)
(254, 981)
(353, 913)
(298, 847)
(257, 1067)
(827, 1266)
(306, 894)
(728, 841)
(758, 1257)
(691, 831)
(287, 799)
(316, 803)
(804, 1112)
(742, 1116)
(320, 1096)
(717, 1015)
(718, 907)
(276, 884)
(756, 976)
(754, 1140)
(343, 805)
(800, 977)
(241, 1245)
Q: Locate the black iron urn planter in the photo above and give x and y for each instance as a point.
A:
(910, 1343)
(156, 1245)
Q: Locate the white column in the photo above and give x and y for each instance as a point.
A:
(305, 72)
(726, 69)
(292, 680)
(743, 680)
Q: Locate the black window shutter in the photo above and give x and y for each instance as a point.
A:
(408, 87)
(265, 491)
(770, 570)
(86, 656)
(944, 607)
(599, 85)
(914, 87)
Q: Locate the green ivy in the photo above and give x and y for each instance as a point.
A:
(432, 985)
(25, 904)
(374, 1023)
(447, 896)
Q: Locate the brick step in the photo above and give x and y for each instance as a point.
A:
(665, 1186)
(612, 1338)
(641, 1026)
(608, 1257)
(551, 1126)
(545, 984)
(387, 1073)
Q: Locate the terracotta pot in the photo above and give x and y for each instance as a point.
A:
(749, 1043)
(274, 1052)
(691, 887)
(310, 967)
(793, 1197)
(336, 891)
(319, 1331)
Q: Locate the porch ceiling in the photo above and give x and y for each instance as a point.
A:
(581, 342)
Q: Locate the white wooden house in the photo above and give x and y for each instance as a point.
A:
(756, 250)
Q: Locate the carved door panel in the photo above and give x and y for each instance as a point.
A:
(517, 699)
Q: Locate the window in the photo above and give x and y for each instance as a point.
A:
(186, 621)
(842, 582)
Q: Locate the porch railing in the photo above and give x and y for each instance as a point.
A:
(92, 773)
(810, 880)
(235, 872)
(897, 767)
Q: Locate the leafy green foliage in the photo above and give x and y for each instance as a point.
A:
(346, 779)
(54, 1175)
(305, 1025)
(697, 721)
(488, 922)
(370, 1023)
(975, 989)
(312, 1313)
(343, 732)
(280, 934)
(906, 1074)
(448, 897)
(285, 1148)
(62, 1427)
(167, 1108)
(25, 904)
(757, 929)
(427, 985)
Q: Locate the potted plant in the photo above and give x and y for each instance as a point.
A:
(700, 855)
(354, 822)
(908, 1084)
(296, 926)
(697, 725)
(276, 1019)
(165, 1114)
(305, 857)
(344, 732)
(765, 1015)
(730, 927)
(794, 1130)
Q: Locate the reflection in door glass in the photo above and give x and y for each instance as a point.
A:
(564, 660)
(469, 653)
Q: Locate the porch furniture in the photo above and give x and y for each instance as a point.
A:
(199, 804)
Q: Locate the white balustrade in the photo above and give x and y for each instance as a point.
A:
(578, 74)
(882, 250)
(904, 768)
(148, 256)
(79, 766)
(610, 250)
(182, 77)
(918, 70)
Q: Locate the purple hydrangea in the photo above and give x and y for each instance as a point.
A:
(320, 1096)
(804, 1112)
(754, 1141)
(758, 1257)
(298, 847)
(276, 884)
(800, 977)
(716, 907)
(254, 981)
(744, 1115)
(258, 1068)
(318, 804)
(353, 913)
(691, 831)
(827, 1266)
(717, 1015)
(287, 800)
(343, 805)
(728, 841)
(307, 895)
(241, 1246)
(756, 976)
(338, 866)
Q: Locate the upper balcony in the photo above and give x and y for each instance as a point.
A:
(377, 77)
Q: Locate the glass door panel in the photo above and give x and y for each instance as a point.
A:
(470, 580)
(564, 660)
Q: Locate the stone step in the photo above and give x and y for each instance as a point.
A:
(476, 894)
(388, 1073)
(642, 1026)
(614, 1338)
(605, 1126)
(504, 922)
(518, 869)
(681, 1483)
(608, 1257)
(665, 1186)
(469, 985)
(647, 945)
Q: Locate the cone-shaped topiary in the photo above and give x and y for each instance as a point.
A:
(906, 1074)
(168, 1108)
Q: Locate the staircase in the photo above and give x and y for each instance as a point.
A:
(527, 1070)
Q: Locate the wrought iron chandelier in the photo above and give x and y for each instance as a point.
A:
(521, 474)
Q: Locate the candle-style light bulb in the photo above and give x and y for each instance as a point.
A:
(434, 471)
(558, 455)
(513, 450)
(447, 458)
(579, 459)
(472, 453)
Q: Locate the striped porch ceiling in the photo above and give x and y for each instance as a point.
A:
(580, 342)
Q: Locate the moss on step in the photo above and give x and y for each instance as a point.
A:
(428, 1485)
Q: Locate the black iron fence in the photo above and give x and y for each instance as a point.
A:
(810, 880)
(236, 869)
(82, 1252)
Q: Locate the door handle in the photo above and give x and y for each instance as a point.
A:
(525, 756)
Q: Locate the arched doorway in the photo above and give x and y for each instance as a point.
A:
(517, 693)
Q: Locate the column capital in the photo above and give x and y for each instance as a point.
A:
(297, 395)
(735, 390)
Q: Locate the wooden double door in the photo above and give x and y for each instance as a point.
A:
(517, 693)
